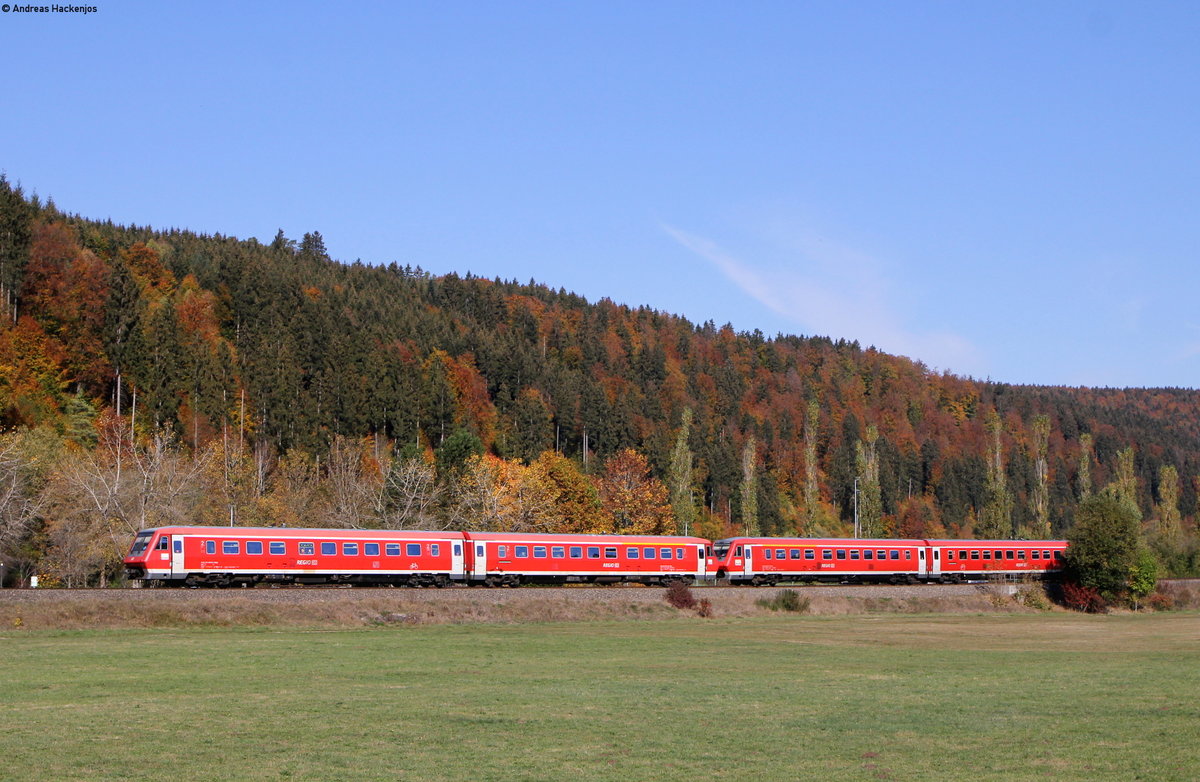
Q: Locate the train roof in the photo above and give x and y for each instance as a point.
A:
(306, 532)
(550, 537)
(870, 542)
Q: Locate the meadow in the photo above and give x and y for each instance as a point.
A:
(875, 697)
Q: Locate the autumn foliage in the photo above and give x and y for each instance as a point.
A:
(314, 392)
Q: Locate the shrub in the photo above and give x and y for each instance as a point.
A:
(1160, 601)
(705, 608)
(786, 600)
(679, 595)
(1082, 598)
(1033, 596)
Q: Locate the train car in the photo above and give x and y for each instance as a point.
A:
(228, 556)
(767, 561)
(971, 560)
(513, 558)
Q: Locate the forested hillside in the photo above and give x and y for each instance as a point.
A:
(159, 376)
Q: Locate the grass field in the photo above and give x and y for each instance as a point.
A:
(1012, 697)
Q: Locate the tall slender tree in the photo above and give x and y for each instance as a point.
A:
(1040, 497)
(996, 519)
(749, 498)
(870, 497)
(683, 502)
(1085, 466)
(812, 498)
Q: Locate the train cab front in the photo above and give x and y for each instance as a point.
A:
(149, 558)
(723, 554)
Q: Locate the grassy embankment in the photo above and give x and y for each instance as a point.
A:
(1048, 696)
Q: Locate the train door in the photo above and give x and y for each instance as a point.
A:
(934, 563)
(456, 558)
(177, 568)
(747, 565)
(478, 561)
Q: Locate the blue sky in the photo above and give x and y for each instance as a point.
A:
(1007, 190)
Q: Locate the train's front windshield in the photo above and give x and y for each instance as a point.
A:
(140, 543)
(720, 550)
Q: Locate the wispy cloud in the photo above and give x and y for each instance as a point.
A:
(828, 289)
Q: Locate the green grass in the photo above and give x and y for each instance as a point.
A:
(1059, 697)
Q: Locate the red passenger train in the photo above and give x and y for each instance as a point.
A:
(228, 556)
(766, 561)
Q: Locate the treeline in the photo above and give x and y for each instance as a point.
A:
(279, 356)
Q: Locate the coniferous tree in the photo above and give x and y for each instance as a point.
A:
(16, 219)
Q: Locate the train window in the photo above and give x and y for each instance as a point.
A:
(767, 553)
(1035, 554)
(779, 554)
(307, 549)
(826, 554)
(254, 547)
(478, 550)
(414, 549)
(502, 551)
(521, 551)
(666, 553)
(854, 553)
(950, 554)
(999, 554)
(576, 552)
(458, 549)
(140, 543)
(558, 552)
(371, 549)
(278, 547)
(633, 552)
(539, 551)
(328, 549)
(163, 544)
(210, 547)
(962, 553)
(895, 554)
(841, 553)
(435, 549)
(393, 550)
(679, 554)
(737, 552)
(908, 553)
(651, 553)
(610, 552)
(868, 554)
(593, 552)
(880, 553)
(974, 554)
(987, 554)
(229, 547)
(795, 553)
(350, 549)
(1009, 554)
(1057, 554)
(1021, 554)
